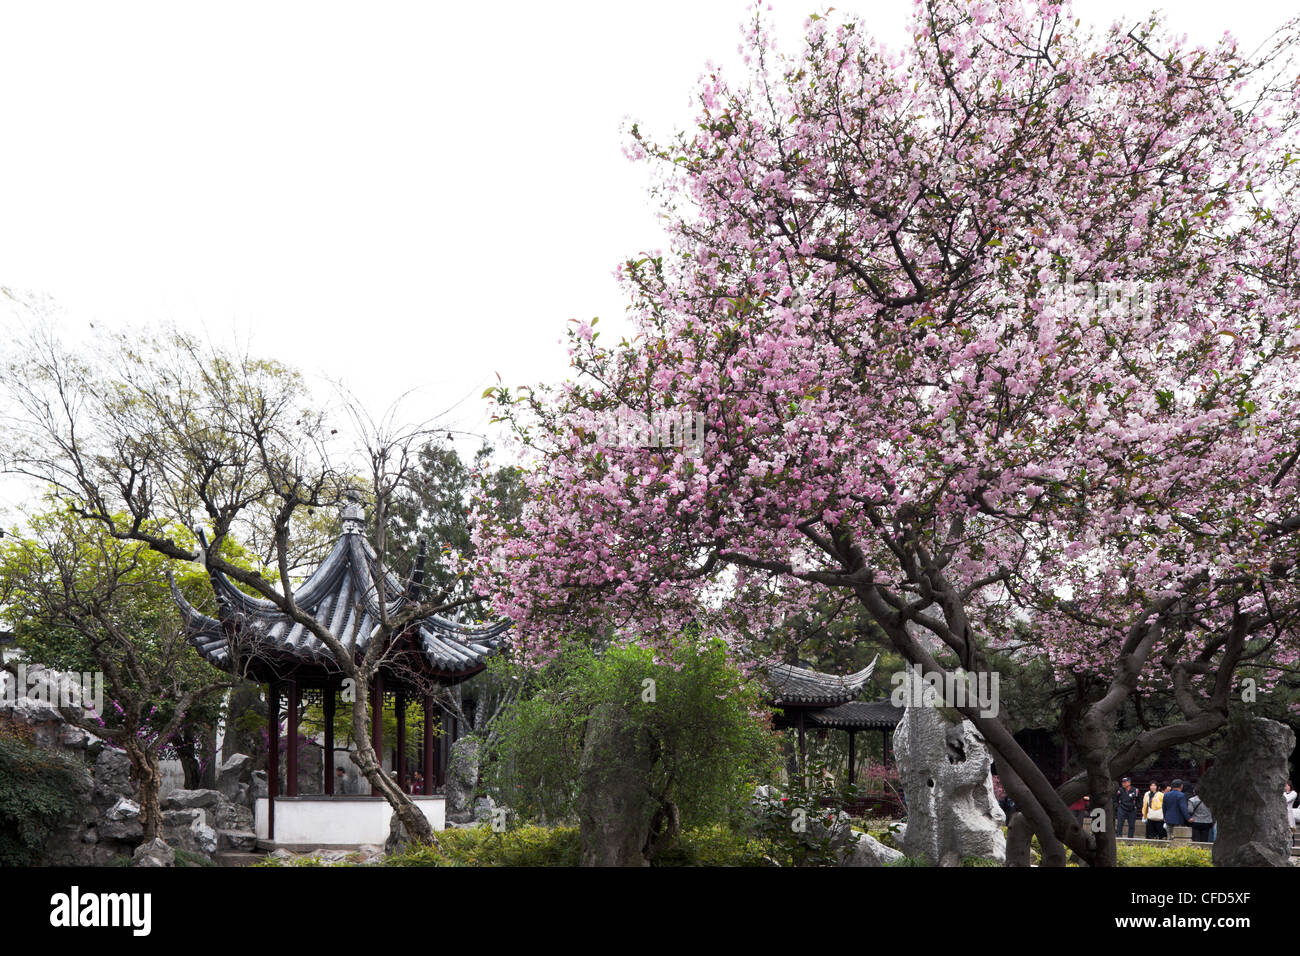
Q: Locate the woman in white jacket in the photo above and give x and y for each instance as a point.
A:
(1290, 796)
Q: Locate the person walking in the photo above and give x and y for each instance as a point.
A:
(1153, 812)
(1201, 818)
(1126, 807)
(1175, 806)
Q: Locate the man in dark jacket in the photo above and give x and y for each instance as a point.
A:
(1126, 807)
(1176, 806)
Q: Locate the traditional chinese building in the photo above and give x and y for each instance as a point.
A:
(814, 699)
(347, 594)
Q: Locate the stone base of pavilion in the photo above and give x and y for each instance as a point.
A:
(337, 822)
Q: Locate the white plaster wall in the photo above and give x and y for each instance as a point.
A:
(321, 821)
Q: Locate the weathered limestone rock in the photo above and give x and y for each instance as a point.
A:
(122, 822)
(1244, 791)
(484, 810)
(238, 841)
(155, 853)
(230, 816)
(399, 838)
(945, 770)
(258, 787)
(614, 808)
(462, 776)
(235, 772)
(187, 829)
(868, 851)
(41, 718)
(184, 818)
(105, 822)
(189, 799)
(112, 776)
(75, 839)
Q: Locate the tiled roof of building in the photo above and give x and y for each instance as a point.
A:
(342, 594)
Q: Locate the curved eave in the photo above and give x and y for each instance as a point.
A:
(803, 687)
(206, 633)
(458, 649)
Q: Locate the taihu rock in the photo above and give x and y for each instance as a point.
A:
(945, 768)
(234, 773)
(462, 775)
(189, 799)
(614, 806)
(1244, 792)
(155, 853)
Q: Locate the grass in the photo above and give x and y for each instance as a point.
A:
(1134, 855)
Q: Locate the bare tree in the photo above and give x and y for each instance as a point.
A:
(177, 432)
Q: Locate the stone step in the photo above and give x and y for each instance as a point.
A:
(237, 841)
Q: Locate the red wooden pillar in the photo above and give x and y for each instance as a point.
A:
(426, 768)
(291, 756)
(327, 704)
(853, 758)
(400, 761)
(272, 755)
(377, 725)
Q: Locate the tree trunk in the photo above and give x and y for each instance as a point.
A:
(1019, 835)
(368, 763)
(186, 752)
(1101, 788)
(208, 757)
(144, 763)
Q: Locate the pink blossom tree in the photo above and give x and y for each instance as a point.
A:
(997, 329)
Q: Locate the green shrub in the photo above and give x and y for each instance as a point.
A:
(481, 846)
(560, 846)
(716, 845)
(37, 786)
(535, 767)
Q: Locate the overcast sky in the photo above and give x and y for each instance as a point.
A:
(401, 195)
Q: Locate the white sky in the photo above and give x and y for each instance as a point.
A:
(401, 195)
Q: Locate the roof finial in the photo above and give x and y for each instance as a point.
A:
(353, 515)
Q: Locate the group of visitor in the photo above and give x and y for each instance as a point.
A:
(1160, 808)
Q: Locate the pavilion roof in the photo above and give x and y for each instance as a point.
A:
(342, 594)
(800, 686)
(858, 715)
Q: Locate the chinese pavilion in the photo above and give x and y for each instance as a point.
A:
(808, 698)
(252, 637)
